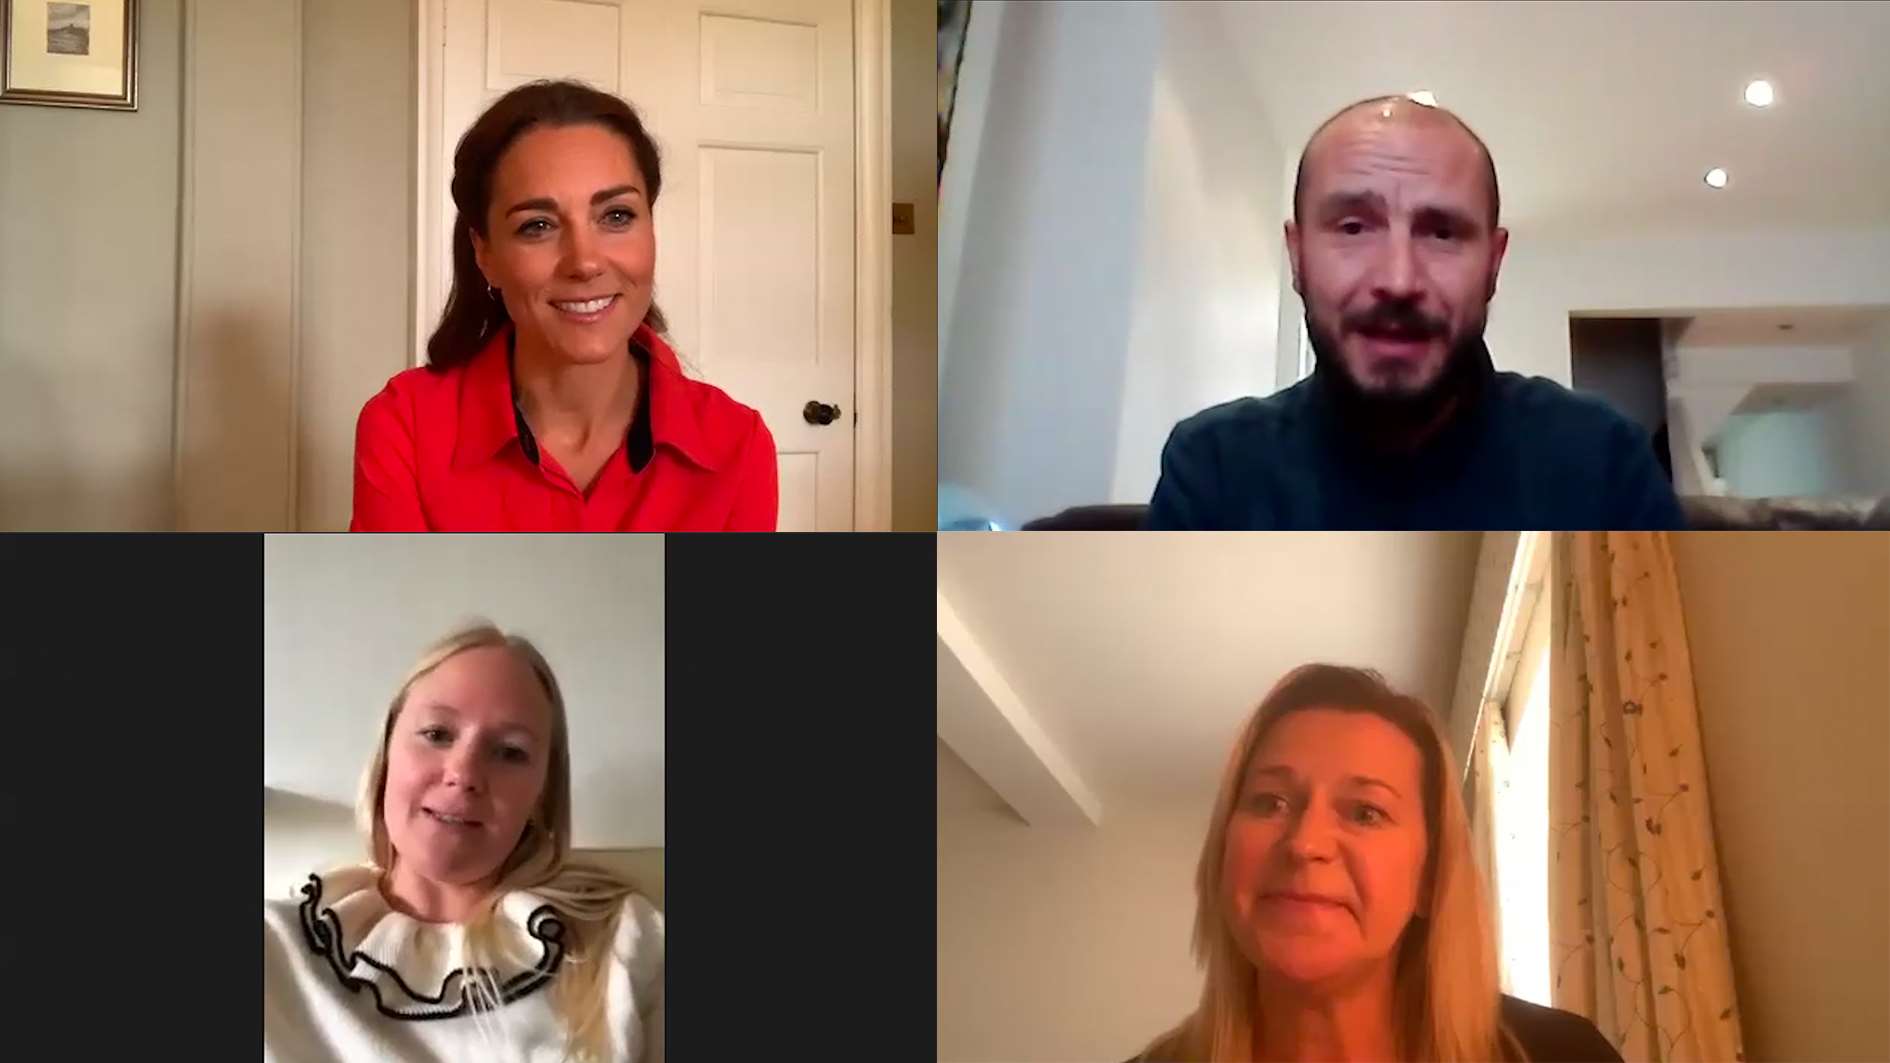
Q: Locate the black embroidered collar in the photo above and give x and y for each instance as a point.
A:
(357, 971)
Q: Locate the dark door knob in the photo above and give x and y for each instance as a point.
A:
(820, 413)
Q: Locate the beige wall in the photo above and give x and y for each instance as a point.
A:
(88, 272)
(291, 219)
(297, 235)
(1790, 635)
(357, 226)
(915, 266)
(1063, 944)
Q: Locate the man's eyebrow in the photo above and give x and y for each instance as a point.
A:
(548, 204)
(1433, 214)
(1347, 202)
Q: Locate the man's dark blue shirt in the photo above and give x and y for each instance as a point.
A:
(1524, 453)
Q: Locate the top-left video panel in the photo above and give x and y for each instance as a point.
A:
(469, 265)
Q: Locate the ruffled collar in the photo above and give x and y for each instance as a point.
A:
(418, 970)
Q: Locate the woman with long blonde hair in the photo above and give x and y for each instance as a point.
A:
(470, 934)
(1339, 915)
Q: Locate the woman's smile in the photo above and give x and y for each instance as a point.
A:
(586, 311)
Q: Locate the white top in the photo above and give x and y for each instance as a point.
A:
(347, 978)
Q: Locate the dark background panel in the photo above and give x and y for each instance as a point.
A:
(130, 673)
(800, 854)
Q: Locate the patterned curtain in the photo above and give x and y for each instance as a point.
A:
(1638, 931)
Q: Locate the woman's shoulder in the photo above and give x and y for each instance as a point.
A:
(720, 418)
(398, 406)
(284, 909)
(1550, 1035)
(716, 408)
(281, 918)
(639, 938)
(725, 423)
(410, 386)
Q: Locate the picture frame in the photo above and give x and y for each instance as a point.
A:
(69, 53)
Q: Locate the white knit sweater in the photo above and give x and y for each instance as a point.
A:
(346, 978)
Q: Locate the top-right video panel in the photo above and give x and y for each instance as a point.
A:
(1413, 266)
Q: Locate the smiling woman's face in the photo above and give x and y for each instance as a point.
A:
(569, 240)
(1325, 850)
(466, 764)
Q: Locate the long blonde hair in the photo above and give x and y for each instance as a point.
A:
(1446, 989)
(589, 899)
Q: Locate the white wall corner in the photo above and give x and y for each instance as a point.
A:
(1708, 406)
(964, 141)
(983, 720)
(1692, 473)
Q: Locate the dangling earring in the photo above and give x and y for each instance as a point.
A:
(492, 293)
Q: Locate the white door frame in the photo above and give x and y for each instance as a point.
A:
(872, 237)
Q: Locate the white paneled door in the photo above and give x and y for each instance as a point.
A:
(752, 105)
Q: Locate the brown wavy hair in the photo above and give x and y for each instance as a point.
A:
(473, 313)
(1447, 995)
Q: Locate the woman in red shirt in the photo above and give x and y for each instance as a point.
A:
(549, 401)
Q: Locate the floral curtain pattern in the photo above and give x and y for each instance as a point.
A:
(1638, 933)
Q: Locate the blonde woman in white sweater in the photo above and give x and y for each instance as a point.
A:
(469, 936)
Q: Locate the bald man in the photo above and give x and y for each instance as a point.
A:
(1405, 422)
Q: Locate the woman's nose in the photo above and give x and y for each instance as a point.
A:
(580, 253)
(1310, 835)
(463, 771)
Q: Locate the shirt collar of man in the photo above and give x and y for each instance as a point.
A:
(490, 419)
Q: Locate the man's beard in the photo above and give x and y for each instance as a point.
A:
(1395, 411)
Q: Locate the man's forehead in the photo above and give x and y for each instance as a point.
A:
(1429, 145)
(1348, 157)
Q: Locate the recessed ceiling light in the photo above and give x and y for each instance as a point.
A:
(1759, 94)
(1424, 97)
(1716, 178)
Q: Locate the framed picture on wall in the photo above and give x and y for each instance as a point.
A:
(75, 54)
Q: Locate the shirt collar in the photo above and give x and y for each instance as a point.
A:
(490, 418)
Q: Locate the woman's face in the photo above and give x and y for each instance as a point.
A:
(569, 243)
(1325, 850)
(466, 763)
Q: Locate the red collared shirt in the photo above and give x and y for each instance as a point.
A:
(448, 450)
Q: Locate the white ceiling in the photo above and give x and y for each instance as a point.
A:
(1759, 327)
(1138, 656)
(345, 616)
(1606, 115)
(1771, 398)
